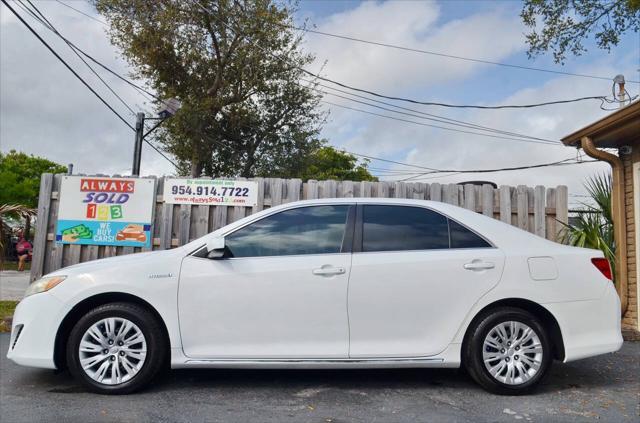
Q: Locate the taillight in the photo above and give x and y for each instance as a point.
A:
(603, 266)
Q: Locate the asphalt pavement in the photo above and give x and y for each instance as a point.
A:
(605, 388)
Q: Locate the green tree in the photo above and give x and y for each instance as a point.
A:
(235, 66)
(20, 177)
(561, 26)
(594, 227)
(324, 163)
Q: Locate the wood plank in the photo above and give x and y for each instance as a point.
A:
(400, 190)
(366, 189)
(260, 200)
(56, 253)
(539, 200)
(294, 189)
(42, 219)
(383, 190)
(312, 189)
(184, 223)
(562, 207)
(486, 195)
(469, 197)
(451, 194)
(275, 188)
(347, 189)
(435, 192)
(167, 222)
(505, 204)
(522, 203)
(551, 233)
(219, 218)
(201, 226)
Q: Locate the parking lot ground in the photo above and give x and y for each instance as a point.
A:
(605, 388)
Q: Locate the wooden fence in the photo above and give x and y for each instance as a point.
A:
(536, 210)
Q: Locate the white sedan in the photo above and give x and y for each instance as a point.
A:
(325, 284)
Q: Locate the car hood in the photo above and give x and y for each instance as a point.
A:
(148, 260)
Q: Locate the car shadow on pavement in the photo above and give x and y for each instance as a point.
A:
(562, 377)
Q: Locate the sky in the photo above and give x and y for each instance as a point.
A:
(45, 111)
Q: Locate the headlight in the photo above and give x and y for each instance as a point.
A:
(43, 285)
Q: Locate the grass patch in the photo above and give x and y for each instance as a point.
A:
(13, 265)
(6, 314)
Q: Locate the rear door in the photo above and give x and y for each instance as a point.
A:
(415, 275)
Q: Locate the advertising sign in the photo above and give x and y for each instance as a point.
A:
(105, 211)
(215, 192)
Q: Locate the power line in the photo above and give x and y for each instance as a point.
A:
(522, 137)
(82, 13)
(435, 126)
(102, 65)
(450, 56)
(426, 103)
(456, 106)
(437, 118)
(404, 48)
(25, 23)
(50, 25)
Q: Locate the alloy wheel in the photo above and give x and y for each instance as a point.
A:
(112, 350)
(512, 352)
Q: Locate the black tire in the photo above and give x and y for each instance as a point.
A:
(474, 343)
(154, 337)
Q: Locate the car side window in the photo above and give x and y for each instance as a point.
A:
(397, 228)
(303, 230)
(462, 237)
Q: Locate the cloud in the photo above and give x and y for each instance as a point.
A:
(491, 36)
(46, 111)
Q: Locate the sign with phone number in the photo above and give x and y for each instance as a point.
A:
(218, 192)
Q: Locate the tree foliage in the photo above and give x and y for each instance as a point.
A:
(325, 163)
(20, 177)
(235, 66)
(561, 26)
(594, 227)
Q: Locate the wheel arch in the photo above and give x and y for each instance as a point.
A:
(89, 303)
(546, 317)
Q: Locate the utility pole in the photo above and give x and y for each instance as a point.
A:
(169, 108)
(137, 147)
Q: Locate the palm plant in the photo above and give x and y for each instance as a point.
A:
(11, 210)
(594, 226)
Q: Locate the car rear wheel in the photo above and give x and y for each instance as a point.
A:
(116, 348)
(508, 351)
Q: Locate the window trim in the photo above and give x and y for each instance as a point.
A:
(358, 240)
(346, 245)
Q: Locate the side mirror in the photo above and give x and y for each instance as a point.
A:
(215, 248)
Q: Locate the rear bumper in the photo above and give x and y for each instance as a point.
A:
(589, 328)
(35, 325)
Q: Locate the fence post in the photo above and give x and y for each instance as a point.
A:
(40, 241)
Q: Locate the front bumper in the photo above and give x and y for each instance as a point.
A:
(35, 325)
(589, 328)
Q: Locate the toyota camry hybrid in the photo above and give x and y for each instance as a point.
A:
(333, 283)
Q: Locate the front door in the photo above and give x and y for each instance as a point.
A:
(415, 279)
(280, 292)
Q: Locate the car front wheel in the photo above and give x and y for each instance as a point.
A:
(116, 348)
(508, 351)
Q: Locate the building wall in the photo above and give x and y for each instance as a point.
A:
(630, 319)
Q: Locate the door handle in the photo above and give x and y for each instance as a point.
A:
(479, 265)
(329, 271)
